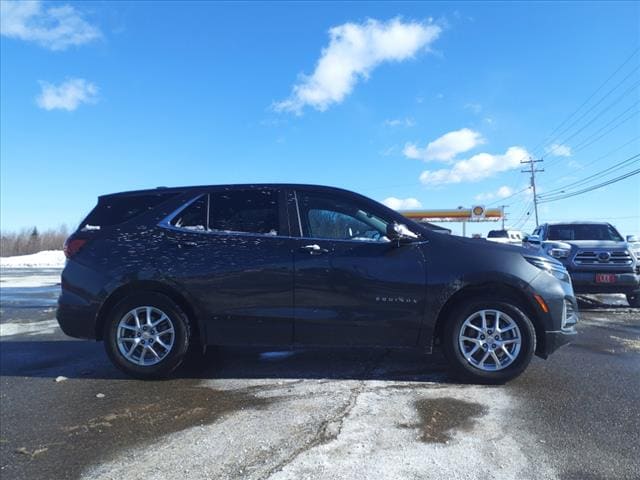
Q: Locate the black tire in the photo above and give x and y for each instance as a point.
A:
(633, 299)
(462, 368)
(173, 357)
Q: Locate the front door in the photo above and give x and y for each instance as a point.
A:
(352, 286)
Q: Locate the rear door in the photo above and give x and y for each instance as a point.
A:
(352, 285)
(233, 254)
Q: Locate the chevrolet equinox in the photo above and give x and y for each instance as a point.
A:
(158, 273)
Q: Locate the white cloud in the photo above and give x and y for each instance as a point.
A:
(56, 28)
(446, 147)
(474, 107)
(558, 150)
(68, 95)
(502, 192)
(402, 203)
(354, 51)
(476, 168)
(397, 122)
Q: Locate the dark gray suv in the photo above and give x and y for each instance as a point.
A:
(156, 273)
(598, 258)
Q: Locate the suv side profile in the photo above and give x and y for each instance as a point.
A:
(154, 273)
(598, 259)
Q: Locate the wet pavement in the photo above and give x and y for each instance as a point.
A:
(338, 413)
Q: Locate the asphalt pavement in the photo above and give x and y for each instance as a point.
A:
(66, 412)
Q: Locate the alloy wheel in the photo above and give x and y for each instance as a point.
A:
(145, 335)
(490, 340)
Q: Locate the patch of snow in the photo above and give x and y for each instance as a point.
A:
(28, 328)
(30, 281)
(44, 259)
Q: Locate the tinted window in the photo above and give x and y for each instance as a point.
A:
(194, 217)
(118, 209)
(250, 211)
(583, 232)
(339, 220)
(497, 234)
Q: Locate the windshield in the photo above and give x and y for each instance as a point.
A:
(583, 232)
(497, 234)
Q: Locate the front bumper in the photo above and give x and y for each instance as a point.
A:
(557, 325)
(585, 282)
(555, 340)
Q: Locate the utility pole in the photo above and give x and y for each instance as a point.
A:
(503, 215)
(532, 171)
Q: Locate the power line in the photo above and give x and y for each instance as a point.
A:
(621, 82)
(596, 117)
(593, 187)
(628, 59)
(624, 120)
(507, 197)
(582, 167)
(608, 170)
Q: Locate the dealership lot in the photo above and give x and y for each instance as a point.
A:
(65, 412)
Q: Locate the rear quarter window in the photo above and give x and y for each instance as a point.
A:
(119, 209)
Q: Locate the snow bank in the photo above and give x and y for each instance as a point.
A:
(44, 259)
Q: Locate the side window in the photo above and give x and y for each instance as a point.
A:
(336, 219)
(194, 217)
(247, 211)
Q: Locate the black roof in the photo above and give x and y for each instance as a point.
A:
(244, 186)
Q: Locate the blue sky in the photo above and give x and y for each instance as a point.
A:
(102, 97)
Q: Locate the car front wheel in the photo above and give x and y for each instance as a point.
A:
(489, 341)
(147, 335)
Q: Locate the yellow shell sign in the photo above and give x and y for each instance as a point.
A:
(477, 211)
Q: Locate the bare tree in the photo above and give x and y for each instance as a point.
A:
(32, 240)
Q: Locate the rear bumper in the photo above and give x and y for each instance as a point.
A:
(76, 317)
(79, 300)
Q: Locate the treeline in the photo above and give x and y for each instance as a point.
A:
(32, 240)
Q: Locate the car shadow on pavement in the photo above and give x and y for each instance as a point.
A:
(83, 359)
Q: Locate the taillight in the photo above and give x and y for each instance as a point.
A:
(73, 246)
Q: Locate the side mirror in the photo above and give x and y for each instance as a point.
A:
(533, 239)
(398, 232)
(633, 238)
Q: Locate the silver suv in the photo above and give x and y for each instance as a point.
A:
(598, 258)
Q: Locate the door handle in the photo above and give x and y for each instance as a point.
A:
(314, 249)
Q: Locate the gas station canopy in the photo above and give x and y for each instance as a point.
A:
(477, 213)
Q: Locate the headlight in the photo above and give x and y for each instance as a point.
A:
(558, 252)
(552, 268)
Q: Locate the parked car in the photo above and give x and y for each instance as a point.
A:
(505, 236)
(598, 258)
(155, 272)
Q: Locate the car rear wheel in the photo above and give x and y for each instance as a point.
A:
(147, 335)
(488, 341)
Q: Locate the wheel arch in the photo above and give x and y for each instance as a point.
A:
(495, 290)
(139, 286)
